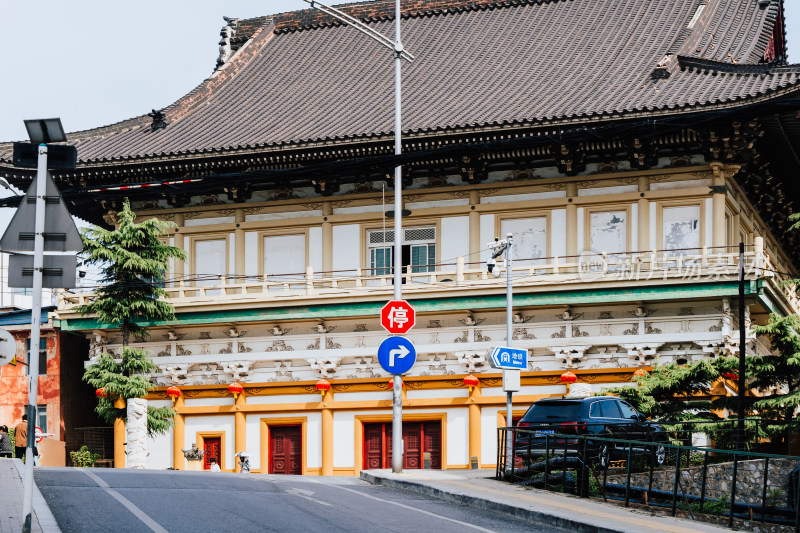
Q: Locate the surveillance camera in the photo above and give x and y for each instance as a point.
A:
(82, 271)
(490, 264)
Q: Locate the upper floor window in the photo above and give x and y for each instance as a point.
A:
(681, 227)
(419, 250)
(529, 237)
(284, 256)
(210, 260)
(608, 232)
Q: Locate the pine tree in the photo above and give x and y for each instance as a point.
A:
(133, 261)
(672, 391)
(777, 376)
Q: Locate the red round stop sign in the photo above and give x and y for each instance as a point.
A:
(397, 316)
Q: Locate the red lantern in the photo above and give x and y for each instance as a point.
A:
(471, 381)
(731, 375)
(323, 385)
(235, 389)
(568, 377)
(174, 393)
(391, 383)
(100, 393)
(640, 373)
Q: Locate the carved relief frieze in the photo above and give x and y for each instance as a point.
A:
(576, 331)
(325, 367)
(474, 361)
(641, 353)
(522, 334)
(243, 348)
(331, 345)
(571, 356)
(236, 369)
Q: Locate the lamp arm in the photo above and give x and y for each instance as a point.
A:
(357, 24)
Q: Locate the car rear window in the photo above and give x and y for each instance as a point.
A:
(546, 411)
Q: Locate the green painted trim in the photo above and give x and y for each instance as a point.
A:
(429, 305)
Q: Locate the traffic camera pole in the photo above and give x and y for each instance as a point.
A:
(36, 315)
(509, 314)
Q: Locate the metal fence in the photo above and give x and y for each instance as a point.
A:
(693, 480)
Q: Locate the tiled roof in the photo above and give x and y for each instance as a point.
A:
(479, 64)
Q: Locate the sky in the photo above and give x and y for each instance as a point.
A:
(97, 62)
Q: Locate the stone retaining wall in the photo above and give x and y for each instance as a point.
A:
(749, 480)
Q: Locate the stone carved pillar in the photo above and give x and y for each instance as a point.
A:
(136, 433)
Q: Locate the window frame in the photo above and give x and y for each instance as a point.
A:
(608, 208)
(694, 202)
(366, 265)
(499, 218)
(263, 234)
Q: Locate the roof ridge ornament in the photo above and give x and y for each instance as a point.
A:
(225, 48)
(159, 120)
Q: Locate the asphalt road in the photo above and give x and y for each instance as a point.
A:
(122, 501)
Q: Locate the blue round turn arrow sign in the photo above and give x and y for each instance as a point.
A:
(397, 355)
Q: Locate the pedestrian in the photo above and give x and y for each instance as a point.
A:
(5, 442)
(214, 466)
(21, 437)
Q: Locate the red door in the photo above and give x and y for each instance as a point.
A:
(213, 448)
(419, 437)
(285, 444)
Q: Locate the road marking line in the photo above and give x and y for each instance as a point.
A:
(428, 513)
(307, 495)
(138, 513)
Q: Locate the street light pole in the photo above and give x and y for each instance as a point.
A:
(36, 316)
(397, 250)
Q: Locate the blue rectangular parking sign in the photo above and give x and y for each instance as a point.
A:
(509, 358)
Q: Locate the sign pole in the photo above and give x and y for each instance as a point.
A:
(397, 396)
(509, 335)
(36, 315)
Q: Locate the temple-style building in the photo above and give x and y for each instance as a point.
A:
(628, 147)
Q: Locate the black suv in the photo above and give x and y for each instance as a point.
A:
(604, 416)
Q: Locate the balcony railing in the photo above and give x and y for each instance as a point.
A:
(690, 264)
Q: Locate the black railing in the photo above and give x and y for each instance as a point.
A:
(654, 471)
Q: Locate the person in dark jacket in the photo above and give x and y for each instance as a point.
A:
(5, 442)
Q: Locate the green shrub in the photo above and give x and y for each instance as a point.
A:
(11, 437)
(84, 457)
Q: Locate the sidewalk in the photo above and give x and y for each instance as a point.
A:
(11, 475)
(478, 488)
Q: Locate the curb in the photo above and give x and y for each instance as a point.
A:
(44, 515)
(530, 515)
